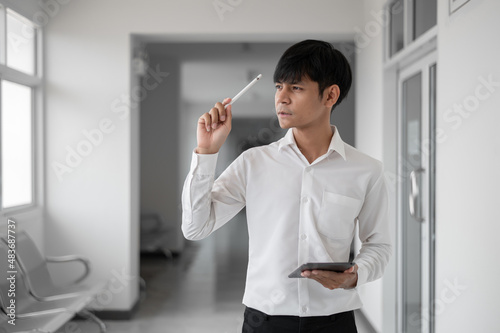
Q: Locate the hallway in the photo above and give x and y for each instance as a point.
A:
(96, 94)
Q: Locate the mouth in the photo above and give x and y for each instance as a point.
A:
(282, 113)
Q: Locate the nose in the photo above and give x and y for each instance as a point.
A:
(281, 96)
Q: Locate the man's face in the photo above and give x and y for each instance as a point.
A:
(300, 105)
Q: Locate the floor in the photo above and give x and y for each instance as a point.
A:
(199, 291)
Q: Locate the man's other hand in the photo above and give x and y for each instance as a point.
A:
(333, 280)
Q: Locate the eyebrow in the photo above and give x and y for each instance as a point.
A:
(292, 83)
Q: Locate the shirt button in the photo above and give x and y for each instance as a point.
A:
(304, 309)
(305, 200)
(303, 237)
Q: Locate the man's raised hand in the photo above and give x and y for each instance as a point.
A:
(214, 127)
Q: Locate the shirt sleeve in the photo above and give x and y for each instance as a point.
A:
(376, 248)
(207, 204)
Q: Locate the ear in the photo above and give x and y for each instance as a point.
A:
(332, 95)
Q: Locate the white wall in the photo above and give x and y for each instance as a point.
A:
(468, 160)
(377, 296)
(94, 209)
(369, 81)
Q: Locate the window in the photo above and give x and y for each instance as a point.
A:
(21, 43)
(424, 16)
(19, 82)
(17, 161)
(396, 26)
(409, 19)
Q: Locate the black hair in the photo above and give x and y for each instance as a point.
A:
(317, 60)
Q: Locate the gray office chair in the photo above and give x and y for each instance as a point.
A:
(48, 297)
(38, 279)
(43, 323)
(26, 305)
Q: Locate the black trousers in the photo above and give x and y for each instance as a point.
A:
(258, 322)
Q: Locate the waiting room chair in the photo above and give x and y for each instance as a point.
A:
(55, 300)
(43, 323)
(39, 280)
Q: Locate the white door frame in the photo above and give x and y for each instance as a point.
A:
(422, 66)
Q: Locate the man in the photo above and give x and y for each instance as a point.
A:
(304, 195)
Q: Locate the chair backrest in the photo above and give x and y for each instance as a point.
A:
(4, 268)
(3, 322)
(22, 296)
(7, 272)
(32, 262)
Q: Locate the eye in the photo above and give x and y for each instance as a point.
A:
(278, 86)
(297, 88)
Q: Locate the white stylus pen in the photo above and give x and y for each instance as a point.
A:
(244, 90)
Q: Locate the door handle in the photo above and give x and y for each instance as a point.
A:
(415, 195)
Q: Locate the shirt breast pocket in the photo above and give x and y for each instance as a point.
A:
(337, 215)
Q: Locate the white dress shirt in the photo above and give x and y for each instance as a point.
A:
(297, 212)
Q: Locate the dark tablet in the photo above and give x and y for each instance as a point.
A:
(324, 266)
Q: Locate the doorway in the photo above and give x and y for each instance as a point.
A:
(416, 188)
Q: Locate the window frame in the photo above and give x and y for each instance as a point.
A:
(410, 44)
(24, 20)
(34, 82)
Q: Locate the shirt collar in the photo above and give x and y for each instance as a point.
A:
(336, 144)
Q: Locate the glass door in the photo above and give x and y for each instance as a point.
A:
(415, 194)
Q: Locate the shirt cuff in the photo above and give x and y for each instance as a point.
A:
(362, 275)
(203, 164)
